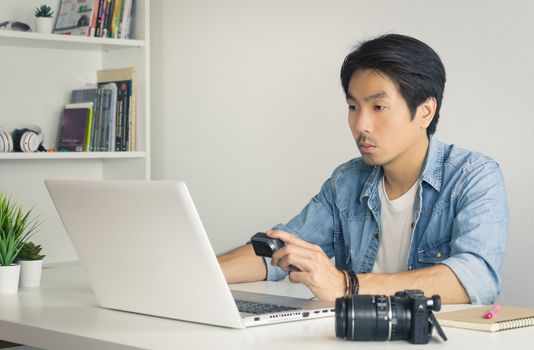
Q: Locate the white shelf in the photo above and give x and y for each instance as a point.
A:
(70, 155)
(38, 72)
(59, 41)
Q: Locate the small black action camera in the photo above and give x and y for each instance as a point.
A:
(264, 245)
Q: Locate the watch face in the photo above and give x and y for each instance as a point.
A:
(262, 249)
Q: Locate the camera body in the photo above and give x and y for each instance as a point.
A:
(265, 246)
(420, 325)
(406, 315)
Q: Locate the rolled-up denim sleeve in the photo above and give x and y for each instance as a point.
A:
(479, 233)
(314, 224)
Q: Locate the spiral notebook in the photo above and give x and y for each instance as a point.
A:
(508, 317)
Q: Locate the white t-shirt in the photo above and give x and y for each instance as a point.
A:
(396, 217)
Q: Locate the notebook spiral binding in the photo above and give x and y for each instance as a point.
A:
(522, 322)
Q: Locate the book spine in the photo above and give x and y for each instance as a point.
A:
(101, 114)
(105, 124)
(116, 19)
(103, 19)
(96, 113)
(124, 18)
(133, 121)
(129, 22)
(103, 121)
(126, 116)
(109, 17)
(92, 29)
(126, 146)
(122, 109)
(87, 138)
(117, 120)
(99, 17)
(112, 116)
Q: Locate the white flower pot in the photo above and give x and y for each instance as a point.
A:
(44, 24)
(30, 272)
(9, 279)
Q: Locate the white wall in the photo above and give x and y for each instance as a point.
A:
(248, 109)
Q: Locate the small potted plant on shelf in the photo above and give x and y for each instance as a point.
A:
(31, 265)
(16, 227)
(44, 19)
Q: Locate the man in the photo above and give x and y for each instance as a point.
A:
(411, 212)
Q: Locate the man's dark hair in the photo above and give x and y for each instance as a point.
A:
(412, 65)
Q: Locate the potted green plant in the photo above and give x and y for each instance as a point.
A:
(16, 227)
(44, 19)
(31, 265)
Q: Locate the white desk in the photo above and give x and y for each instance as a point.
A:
(63, 314)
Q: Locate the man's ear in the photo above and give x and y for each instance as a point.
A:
(426, 111)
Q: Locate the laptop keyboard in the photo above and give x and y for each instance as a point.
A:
(259, 308)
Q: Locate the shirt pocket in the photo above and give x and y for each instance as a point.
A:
(434, 252)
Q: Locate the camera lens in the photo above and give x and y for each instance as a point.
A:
(373, 317)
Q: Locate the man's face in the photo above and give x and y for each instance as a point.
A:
(380, 119)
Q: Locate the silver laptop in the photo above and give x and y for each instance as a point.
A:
(145, 250)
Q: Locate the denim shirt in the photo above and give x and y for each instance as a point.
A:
(460, 219)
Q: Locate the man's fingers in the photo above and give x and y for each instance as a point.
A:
(298, 277)
(290, 250)
(288, 238)
(289, 262)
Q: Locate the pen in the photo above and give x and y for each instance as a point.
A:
(494, 309)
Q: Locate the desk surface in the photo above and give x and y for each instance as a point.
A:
(63, 314)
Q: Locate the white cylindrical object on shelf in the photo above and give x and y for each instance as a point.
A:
(30, 272)
(44, 24)
(9, 279)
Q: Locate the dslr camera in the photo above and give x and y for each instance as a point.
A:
(406, 315)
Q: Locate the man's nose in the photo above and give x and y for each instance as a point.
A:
(362, 123)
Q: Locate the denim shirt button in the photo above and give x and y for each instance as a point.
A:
(409, 267)
(438, 255)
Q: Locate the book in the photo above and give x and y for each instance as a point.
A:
(109, 14)
(116, 19)
(99, 18)
(75, 127)
(107, 137)
(74, 17)
(508, 317)
(125, 23)
(97, 121)
(83, 95)
(126, 119)
(88, 95)
(96, 6)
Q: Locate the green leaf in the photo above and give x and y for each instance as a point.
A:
(16, 227)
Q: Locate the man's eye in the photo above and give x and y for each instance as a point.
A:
(352, 108)
(379, 108)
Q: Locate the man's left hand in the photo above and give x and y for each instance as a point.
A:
(307, 263)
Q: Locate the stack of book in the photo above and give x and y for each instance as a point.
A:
(103, 118)
(99, 18)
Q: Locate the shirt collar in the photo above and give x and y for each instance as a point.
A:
(432, 171)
